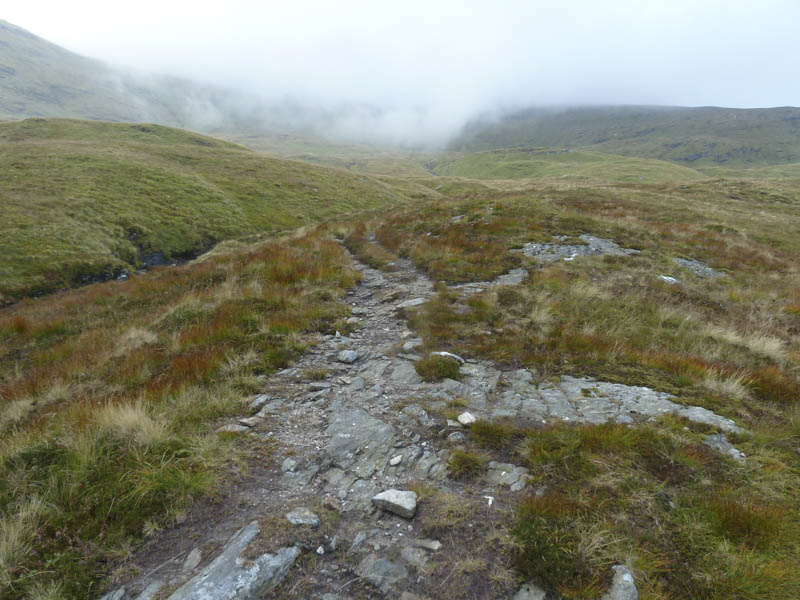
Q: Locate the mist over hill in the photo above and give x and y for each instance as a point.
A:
(704, 135)
(41, 79)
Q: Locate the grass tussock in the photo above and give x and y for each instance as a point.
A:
(436, 368)
(465, 465)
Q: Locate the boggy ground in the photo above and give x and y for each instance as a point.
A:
(353, 417)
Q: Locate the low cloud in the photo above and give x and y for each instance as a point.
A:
(414, 72)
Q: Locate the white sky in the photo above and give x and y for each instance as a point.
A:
(440, 61)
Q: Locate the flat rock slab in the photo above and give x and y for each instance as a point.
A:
(412, 303)
(697, 267)
(302, 516)
(359, 442)
(593, 246)
(513, 277)
(230, 577)
(721, 444)
(399, 502)
(381, 573)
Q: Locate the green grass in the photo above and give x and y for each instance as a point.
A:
(565, 164)
(87, 199)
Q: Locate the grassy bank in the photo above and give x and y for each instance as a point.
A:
(85, 200)
(110, 394)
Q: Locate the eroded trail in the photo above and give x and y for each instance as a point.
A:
(350, 420)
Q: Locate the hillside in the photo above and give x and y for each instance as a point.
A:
(626, 417)
(85, 200)
(550, 163)
(41, 79)
(691, 136)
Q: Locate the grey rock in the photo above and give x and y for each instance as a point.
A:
(416, 557)
(405, 373)
(381, 573)
(513, 277)
(289, 464)
(721, 444)
(669, 280)
(418, 413)
(593, 246)
(233, 428)
(412, 344)
(456, 436)
(356, 385)
(228, 577)
(374, 369)
(396, 460)
(399, 502)
(353, 321)
(466, 418)
(117, 594)
(317, 386)
(192, 560)
(359, 442)
(250, 421)
(270, 407)
(623, 586)
(150, 591)
(432, 545)
(300, 478)
(506, 474)
(258, 401)
(697, 267)
(347, 356)
(302, 516)
(411, 303)
(529, 591)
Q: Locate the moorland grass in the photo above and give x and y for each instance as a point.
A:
(110, 393)
(690, 522)
(87, 200)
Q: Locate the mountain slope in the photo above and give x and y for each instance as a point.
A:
(41, 79)
(88, 199)
(692, 136)
(539, 163)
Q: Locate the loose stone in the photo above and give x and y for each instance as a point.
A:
(466, 418)
(347, 356)
(399, 502)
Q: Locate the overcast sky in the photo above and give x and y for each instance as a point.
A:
(431, 64)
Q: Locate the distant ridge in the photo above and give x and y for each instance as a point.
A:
(41, 79)
(689, 136)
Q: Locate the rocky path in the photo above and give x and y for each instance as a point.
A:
(350, 420)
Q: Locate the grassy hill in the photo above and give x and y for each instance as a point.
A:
(41, 79)
(690, 136)
(82, 199)
(313, 149)
(548, 163)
